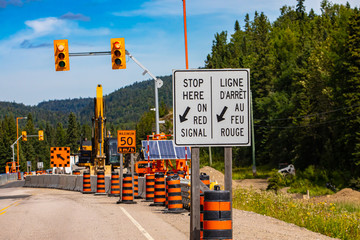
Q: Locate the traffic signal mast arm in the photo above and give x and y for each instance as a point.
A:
(158, 82)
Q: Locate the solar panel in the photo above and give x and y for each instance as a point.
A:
(164, 149)
(167, 150)
(182, 154)
(153, 149)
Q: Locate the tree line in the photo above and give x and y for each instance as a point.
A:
(34, 150)
(305, 82)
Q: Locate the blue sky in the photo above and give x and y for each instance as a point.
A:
(153, 32)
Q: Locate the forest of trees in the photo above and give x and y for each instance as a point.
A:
(305, 82)
(65, 122)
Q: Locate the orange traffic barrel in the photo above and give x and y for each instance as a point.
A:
(205, 179)
(201, 215)
(181, 174)
(38, 172)
(115, 184)
(167, 179)
(175, 204)
(136, 185)
(170, 173)
(150, 187)
(217, 215)
(100, 187)
(19, 176)
(76, 172)
(127, 189)
(86, 182)
(159, 194)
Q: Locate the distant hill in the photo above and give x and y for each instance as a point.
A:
(122, 107)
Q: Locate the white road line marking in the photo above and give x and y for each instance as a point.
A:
(142, 230)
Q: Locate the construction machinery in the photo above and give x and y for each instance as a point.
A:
(94, 157)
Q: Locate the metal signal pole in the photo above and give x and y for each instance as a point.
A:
(185, 35)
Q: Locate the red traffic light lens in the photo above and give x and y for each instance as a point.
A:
(61, 47)
(117, 61)
(117, 45)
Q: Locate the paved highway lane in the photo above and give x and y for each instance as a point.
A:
(44, 213)
(36, 213)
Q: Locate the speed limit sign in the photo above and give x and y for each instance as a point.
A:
(126, 141)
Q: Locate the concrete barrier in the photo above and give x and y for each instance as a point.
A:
(142, 187)
(79, 184)
(73, 183)
(5, 178)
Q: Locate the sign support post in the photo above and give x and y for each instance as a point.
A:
(228, 174)
(195, 194)
(121, 177)
(132, 173)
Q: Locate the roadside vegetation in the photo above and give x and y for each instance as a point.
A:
(338, 220)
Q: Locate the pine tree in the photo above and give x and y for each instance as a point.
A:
(60, 140)
(72, 133)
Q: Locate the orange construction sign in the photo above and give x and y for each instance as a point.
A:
(60, 157)
(126, 141)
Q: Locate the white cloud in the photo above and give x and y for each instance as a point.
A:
(45, 26)
(51, 27)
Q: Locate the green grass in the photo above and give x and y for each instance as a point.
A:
(247, 173)
(334, 220)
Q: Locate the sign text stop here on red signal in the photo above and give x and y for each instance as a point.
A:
(211, 107)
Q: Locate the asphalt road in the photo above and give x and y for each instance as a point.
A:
(36, 213)
(43, 213)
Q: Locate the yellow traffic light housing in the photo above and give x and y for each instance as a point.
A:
(118, 56)
(24, 135)
(61, 53)
(41, 135)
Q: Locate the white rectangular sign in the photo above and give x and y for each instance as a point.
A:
(40, 165)
(212, 107)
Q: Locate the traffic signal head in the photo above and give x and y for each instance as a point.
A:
(61, 53)
(41, 135)
(24, 135)
(118, 57)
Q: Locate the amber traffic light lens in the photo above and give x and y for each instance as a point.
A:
(61, 56)
(117, 61)
(117, 53)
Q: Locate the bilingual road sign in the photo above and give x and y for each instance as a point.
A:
(212, 107)
(126, 141)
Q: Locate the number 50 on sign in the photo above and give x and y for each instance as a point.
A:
(126, 141)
